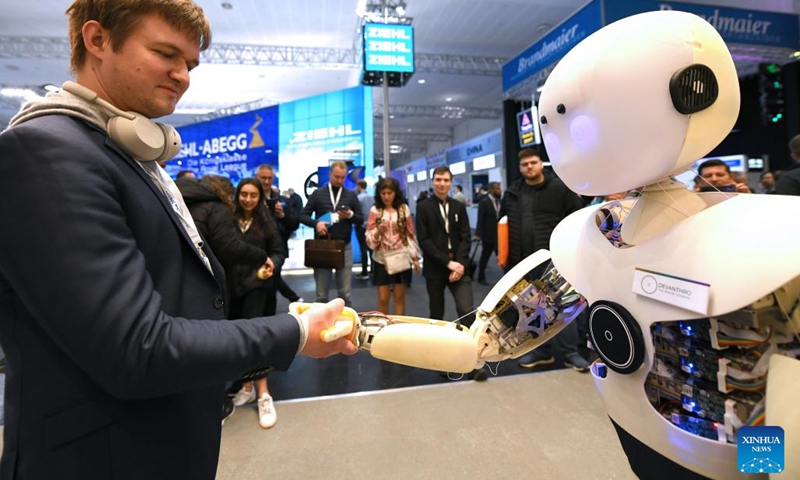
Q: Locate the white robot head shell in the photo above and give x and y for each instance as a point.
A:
(637, 101)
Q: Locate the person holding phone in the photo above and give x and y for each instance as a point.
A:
(717, 174)
(342, 205)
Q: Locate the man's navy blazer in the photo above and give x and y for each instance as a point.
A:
(113, 328)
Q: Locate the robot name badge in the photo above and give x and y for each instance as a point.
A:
(680, 292)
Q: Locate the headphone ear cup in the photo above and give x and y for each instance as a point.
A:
(172, 143)
(143, 139)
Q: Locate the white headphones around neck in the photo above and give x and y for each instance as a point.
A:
(140, 137)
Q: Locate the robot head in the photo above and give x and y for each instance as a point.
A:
(638, 101)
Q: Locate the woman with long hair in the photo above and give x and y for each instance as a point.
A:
(250, 288)
(391, 228)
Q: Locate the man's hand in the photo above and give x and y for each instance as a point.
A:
(317, 319)
(321, 228)
(279, 210)
(456, 271)
(346, 213)
(742, 188)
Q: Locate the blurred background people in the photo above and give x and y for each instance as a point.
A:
(766, 183)
(366, 201)
(718, 175)
(285, 218)
(390, 227)
(789, 181)
(486, 227)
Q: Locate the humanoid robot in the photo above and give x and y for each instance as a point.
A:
(686, 335)
(693, 297)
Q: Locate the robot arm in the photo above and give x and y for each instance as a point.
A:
(528, 306)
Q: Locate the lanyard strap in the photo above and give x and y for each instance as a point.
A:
(334, 201)
(445, 211)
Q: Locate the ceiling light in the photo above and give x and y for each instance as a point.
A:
(51, 88)
(227, 6)
(421, 81)
(448, 99)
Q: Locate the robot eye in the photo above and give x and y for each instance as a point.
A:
(561, 109)
(544, 120)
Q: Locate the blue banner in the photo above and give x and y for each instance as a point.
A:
(232, 146)
(554, 45)
(318, 130)
(734, 25)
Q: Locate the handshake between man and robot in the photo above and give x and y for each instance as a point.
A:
(693, 297)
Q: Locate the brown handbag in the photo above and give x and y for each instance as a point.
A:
(324, 253)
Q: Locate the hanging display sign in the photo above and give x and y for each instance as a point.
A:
(388, 48)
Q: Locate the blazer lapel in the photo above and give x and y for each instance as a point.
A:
(160, 196)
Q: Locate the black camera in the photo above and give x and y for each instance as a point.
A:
(723, 188)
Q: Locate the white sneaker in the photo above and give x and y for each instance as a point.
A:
(243, 397)
(266, 411)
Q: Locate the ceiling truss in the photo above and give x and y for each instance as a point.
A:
(270, 56)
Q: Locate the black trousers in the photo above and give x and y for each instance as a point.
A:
(366, 253)
(486, 251)
(462, 294)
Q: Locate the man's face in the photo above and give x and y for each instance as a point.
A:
(716, 175)
(495, 191)
(150, 72)
(531, 168)
(266, 177)
(337, 176)
(768, 180)
(441, 184)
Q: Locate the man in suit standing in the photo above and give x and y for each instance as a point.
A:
(107, 290)
(345, 211)
(486, 229)
(444, 236)
(789, 181)
(443, 233)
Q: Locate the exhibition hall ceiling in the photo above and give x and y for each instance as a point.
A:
(472, 33)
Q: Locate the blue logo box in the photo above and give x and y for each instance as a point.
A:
(760, 450)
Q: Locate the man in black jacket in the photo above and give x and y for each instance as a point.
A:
(285, 217)
(535, 204)
(444, 236)
(486, 229)
(345, 211)
(789, 181)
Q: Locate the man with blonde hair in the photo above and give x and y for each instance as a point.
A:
(112, 307)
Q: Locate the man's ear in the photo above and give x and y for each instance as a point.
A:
(95, 38)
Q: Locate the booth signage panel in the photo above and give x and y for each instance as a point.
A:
(477, 147)
(554, 45)
(388, 48)
(318, 130)
(733, 24)
(232, 146)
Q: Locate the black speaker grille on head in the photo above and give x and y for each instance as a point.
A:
(693, 88)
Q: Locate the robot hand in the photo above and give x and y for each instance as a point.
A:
(528, 306)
